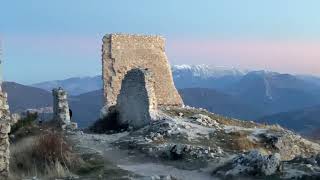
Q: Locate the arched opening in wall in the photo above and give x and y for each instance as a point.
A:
(136, 101)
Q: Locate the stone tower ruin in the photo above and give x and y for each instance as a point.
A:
(122, 53)
(5, 127)
(61, 107)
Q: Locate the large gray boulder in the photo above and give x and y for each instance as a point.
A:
(253, 163)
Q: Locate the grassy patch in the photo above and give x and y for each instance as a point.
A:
(93, 163)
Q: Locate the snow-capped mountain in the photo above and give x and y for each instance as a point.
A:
(205, 76)
(205, 71)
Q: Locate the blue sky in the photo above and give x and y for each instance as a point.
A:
(46, 40)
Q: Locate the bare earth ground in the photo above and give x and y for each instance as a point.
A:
(126, 164)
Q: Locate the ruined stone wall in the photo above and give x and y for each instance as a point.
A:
(121, 53)
(137, 103)
(61, 107)
(4, 138)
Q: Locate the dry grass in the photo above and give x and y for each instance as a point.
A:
(236, 141)
(47, 155)
(241, 142)
(52, 147)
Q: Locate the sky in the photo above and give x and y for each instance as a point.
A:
(49, 40)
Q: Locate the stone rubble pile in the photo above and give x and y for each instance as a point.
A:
(205, 121)
(185, 151)
(288, 144)
(303, 168)
(160, 129)
(155, 140)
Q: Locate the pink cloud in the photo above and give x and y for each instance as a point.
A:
(284, 56)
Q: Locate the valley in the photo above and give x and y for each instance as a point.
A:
(251, 95)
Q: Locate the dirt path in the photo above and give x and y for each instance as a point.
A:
(129, 165)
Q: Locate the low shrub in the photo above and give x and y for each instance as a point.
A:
(24, 122)
(52, 147)
(48, 155)
(108, 123)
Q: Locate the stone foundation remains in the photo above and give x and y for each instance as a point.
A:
(61, 108)
(137, 103)
(4, 138)
(121, 53)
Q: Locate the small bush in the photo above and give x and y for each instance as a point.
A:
(24, 122)
(47, 155)
(52, 147)
(108, 123)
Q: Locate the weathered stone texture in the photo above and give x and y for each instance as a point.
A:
(121, 53)
(5, 128)
(61, 107)
(137, 103)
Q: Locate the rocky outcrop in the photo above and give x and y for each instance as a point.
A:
(253, 163)
(121, 53)
(193, 139)
(136, 103)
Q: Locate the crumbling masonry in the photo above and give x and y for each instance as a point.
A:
(4, 138)
(137, 103)
(121, 53)
(5, 127)
(61, 107)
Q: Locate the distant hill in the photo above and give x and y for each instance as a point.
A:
(270, 92)
(21, 97)
(310, 79)
(228, 91)
(74, 86)
(185, 76)
(86, 107)
(274, 92)
(219, 103)
(304, 120)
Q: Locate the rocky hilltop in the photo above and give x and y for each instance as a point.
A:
(146, 132)
(189, 139)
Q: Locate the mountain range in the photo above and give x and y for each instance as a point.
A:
(86, 106)
(243, 94)
(305, 120)
(75, 85)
